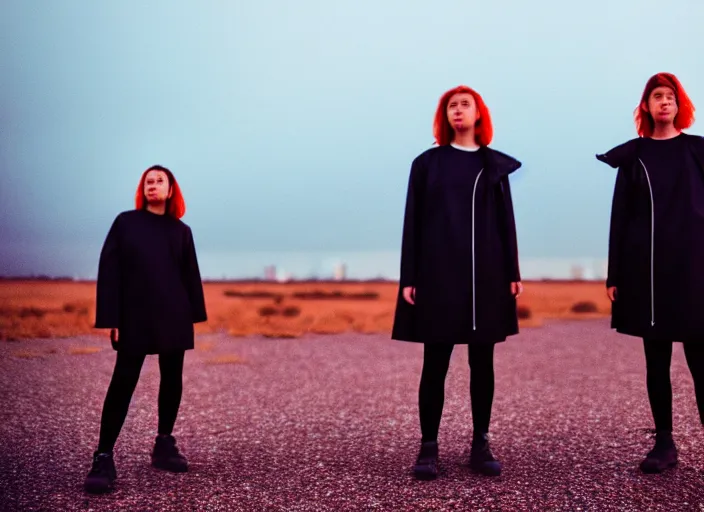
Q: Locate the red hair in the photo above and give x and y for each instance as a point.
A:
(685, 114)
(175, 205)
(443, 131)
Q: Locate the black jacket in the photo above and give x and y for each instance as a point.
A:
(462, 270)
(149, 284)
(656, 264)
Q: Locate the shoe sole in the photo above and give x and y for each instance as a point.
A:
(425, 475)
(486, 473)
(659, 469)
(96, 489)
(170, 469)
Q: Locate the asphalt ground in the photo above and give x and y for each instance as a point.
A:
(331, 423)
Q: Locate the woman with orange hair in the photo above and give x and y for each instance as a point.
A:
(459, 267)
(656, 248)
(149, 293)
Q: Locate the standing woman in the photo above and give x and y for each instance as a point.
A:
(459, 267)
(149, 293)
(656, 248)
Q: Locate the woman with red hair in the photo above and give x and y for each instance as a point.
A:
(656, 248)
(459, 267)
(149, 293)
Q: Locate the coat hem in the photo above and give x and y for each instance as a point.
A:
(675, 338)
(486, 341)
(132, 351)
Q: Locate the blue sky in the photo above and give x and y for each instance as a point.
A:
(291, 126)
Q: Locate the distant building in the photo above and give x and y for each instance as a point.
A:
(600, 270)
(270, 273)
(340, 272)
(577, 272)
(284, 277)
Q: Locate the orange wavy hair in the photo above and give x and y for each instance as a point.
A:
(175, 205)
(685, 114)
(443, 131)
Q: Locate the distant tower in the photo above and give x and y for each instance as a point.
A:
(340, 272)
(270, 272)
(599, 270)
(577, 272)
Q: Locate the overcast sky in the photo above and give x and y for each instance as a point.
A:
(292, 125)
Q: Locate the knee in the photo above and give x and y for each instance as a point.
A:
(481, 359)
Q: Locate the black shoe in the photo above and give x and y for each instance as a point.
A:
(481, 458)
(426, 467)
(662, 456)
(166, 456)
(102, 475)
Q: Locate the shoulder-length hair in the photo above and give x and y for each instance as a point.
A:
(685, 114)
(443, 131)
(175, 205)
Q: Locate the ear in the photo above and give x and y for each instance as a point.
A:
(644, 107)
(171, 192)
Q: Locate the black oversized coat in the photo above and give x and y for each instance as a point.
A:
(657, 263)
(462, 270)
(149, 284)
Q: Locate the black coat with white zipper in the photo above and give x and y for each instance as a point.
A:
(656, 261)
(459, 249)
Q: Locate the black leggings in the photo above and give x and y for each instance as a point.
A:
(124, 380)
(658, 356)
(431, 395)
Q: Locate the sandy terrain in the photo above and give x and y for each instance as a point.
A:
(37, 309)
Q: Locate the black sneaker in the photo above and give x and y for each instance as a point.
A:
(102, 475)
(426, 467)
(166, 456)
(481, 458)
(662, 456)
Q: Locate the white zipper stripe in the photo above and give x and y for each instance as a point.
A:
(652, 246)
(474, 283)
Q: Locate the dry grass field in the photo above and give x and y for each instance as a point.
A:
(54, 309)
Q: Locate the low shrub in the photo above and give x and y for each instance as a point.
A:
(268, 311)
(291, 311)
(584, 307)
(524, 312)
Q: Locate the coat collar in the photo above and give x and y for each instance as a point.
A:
(500, 164)
(627, 152)
(620, 155)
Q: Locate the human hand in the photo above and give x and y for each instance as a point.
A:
(611, 293)
(516, 289)
(409, 293)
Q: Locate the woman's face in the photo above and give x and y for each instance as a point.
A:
(662, 105)
(156, 187)
(462, 111)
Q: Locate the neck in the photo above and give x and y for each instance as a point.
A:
(465, 138)
(157, 208)
(665, 131)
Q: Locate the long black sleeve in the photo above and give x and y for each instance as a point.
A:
(192, 280)
(107, 307)
(509, 224)
(411, 226)
(619, 212)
